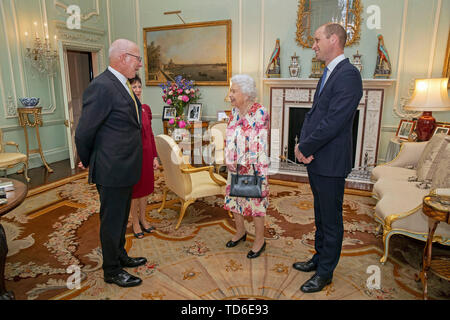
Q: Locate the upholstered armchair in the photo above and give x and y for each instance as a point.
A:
(218, 134)
(401, 184)
(187, 182)
(11, 159)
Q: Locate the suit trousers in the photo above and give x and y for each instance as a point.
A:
(328, 199)
(114, 211)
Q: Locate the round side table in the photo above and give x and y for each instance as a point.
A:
(437, 208)
(15, 198)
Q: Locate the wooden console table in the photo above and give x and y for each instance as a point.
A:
(192, 145)
(25, 122)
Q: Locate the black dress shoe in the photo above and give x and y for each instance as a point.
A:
(123, 279)
(132, 262)
(306, 266)
(148, 230)
(315, 284)
(252, 254)
(232, 243)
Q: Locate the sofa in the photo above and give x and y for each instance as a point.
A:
(401, 184)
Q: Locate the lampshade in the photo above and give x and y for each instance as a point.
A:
(429, 95)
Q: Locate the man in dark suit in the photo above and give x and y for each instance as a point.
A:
(108, 140)
(325, 146)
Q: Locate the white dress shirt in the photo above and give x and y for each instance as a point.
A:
(123, 80)
(333, 65)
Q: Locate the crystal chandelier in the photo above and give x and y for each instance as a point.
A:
(42, 56)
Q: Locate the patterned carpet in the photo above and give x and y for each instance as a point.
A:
(57, 227)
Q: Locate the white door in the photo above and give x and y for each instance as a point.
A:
(77, 70)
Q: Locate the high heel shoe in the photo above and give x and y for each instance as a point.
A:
(148, 230)
(252, 254)
(232, 243)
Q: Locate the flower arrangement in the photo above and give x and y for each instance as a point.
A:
(179, 94)
(178, 122)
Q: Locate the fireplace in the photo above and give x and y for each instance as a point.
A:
(295, 118)
(290, 99)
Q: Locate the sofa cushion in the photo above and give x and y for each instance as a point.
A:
(416, 222)
(394, 173)
(406, 191)
(441, 177)
(431, 155)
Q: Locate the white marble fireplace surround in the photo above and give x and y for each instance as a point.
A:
(299, 93)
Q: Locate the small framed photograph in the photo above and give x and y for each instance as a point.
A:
(405, 128)
(222, 116)
(194, 112)
(441, 129)
(169, 113)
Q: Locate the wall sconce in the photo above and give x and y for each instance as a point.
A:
(41, 54)
(429, 95)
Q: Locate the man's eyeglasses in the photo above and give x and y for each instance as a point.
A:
(137, 57)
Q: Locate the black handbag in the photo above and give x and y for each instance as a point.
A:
(248, 186)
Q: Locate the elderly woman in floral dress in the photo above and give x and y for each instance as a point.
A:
(246, 145)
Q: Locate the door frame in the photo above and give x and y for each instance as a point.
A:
(98, 63)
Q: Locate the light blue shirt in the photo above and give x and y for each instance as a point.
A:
(123, 80)
(333, 65)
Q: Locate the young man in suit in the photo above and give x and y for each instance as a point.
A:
(325, 146)
(108, 140)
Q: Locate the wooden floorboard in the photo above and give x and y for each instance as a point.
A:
(40, 176)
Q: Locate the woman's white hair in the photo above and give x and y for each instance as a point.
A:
(246, 84)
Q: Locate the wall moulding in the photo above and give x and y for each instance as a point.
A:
(84, 17)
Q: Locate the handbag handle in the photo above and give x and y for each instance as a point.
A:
(236, 177)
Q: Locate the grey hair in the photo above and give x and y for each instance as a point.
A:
(118, 47)
(246, 84)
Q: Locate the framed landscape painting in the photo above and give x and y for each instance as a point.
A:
(196, 51)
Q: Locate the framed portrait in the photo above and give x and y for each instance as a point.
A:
(442, 128)
(196, 51)
(169, 113)
(405, 128)
(194, 112)
(222, 116)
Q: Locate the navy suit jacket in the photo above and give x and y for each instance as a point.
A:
(108, 136)
(327, 129)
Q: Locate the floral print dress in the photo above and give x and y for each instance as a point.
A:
(246, 145)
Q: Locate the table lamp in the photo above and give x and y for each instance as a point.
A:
(429, 95)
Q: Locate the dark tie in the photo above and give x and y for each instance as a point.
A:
(324, 77)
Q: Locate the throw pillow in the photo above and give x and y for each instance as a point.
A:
(441, 177)
(431, 155)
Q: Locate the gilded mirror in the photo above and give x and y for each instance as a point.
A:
(314, 13)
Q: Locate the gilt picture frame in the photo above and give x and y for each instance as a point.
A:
(196, 51)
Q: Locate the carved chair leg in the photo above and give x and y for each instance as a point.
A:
(230, 214)
(25, 171)
(386, 237)
(183, 211)
(164, 200)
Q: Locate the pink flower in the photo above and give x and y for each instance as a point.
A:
(172, 121)
(185, 98)
(187, 91)
(169, 101)
(182, 124)
(180, 98)
(170, 92)
(180, 91)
